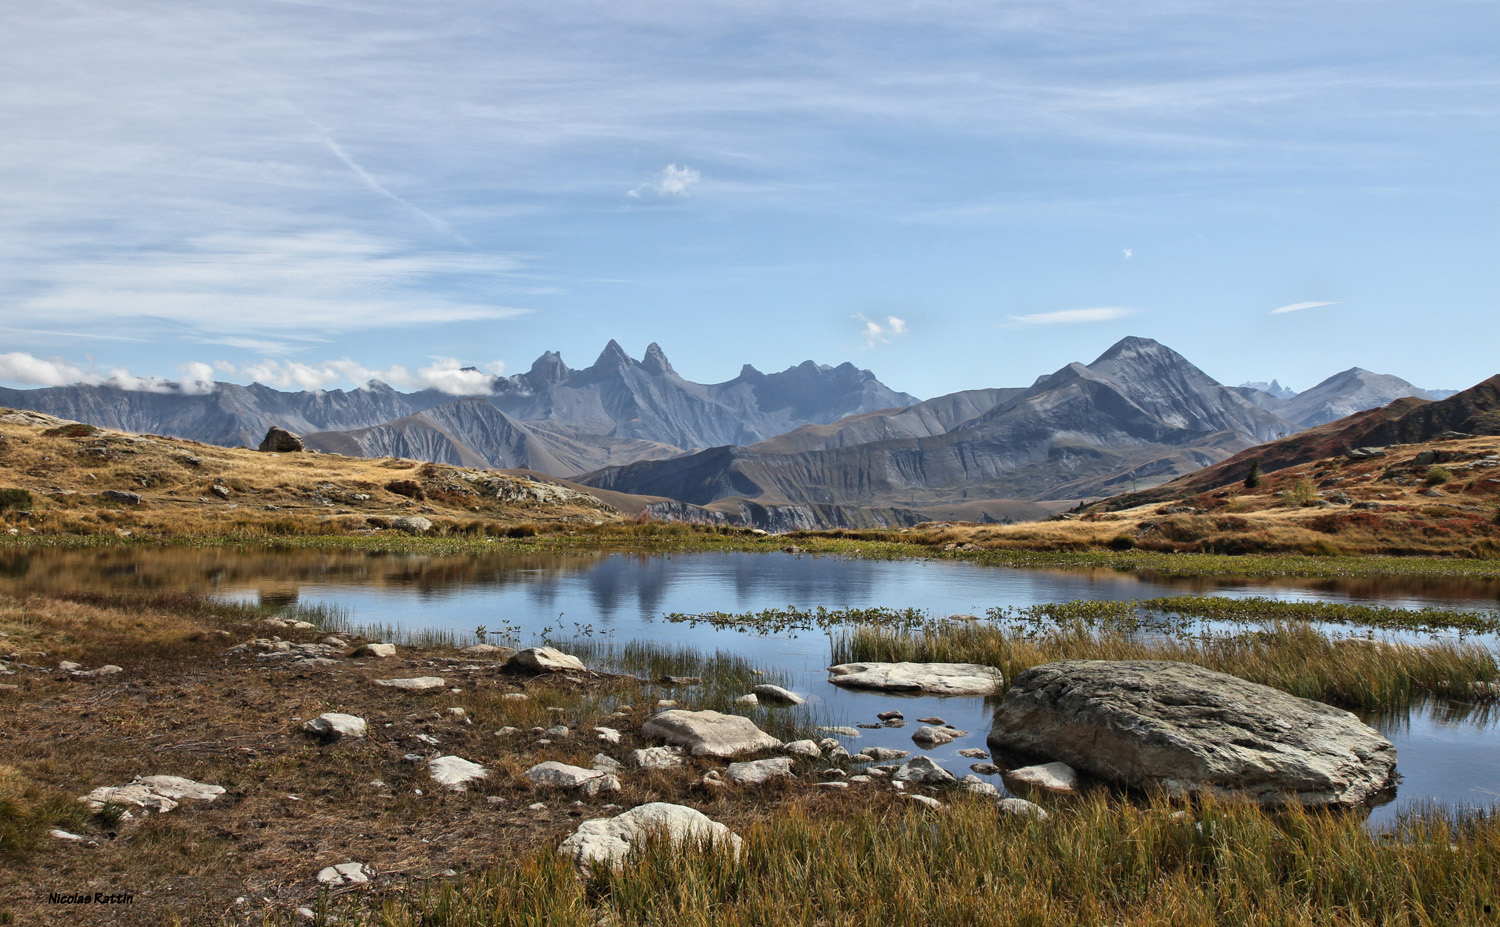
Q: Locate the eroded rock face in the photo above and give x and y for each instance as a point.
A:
(936, 678)
(709, 733)
(1184, 729)
(608, 840)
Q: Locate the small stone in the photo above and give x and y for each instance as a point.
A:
(562, 776)
(756, 772)
(1059, 778)
(745, 701)
(932, 720)
(344, 874)
(925, 800)
(833, 785)
(922, 769)
(607, 734)
(556, 732)
(333, 725)
(1020, 807)
(929, 736)
(974, 753)
(605, 763)
(455, 772)
(776, 695)
(375, 650)
(841, 731)
(414, 684)
(220, 490)
(657, 757)
(515, 697)
(892, 715)
(977, 786)
(885, 753)
(806, 748)
(544, 660)
(457, 712)
(984, 769)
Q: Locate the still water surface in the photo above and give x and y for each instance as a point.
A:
(1448, 753)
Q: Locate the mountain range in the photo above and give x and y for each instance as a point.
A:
(810, 446)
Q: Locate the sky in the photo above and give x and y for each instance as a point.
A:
(952, 194)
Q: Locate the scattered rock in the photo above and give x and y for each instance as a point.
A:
(412, 524)
(749, 700)
(486, 650)
(806, 748)
(220, 490)
(413, 684)
(923, 800)
(709, 733)
(607, 734)
(759, 771)
(841, 731)
(454, 772)
(375, 650)
(333, 725)
(1021, 808)
(977, 786)
(1184, 729)
(124, 498)
(974, 753)
(885, 753)
(562, 776)
(657, 757)
(680, 680)
(776, 695)
(932, 720)
(280, 441)
(936, 678)
(605, 763)
(345, 874)
(1048, 777)
(922, 769)
(153, 793)
(609, 840)
(984, 769)
(544, 660)
(892, 715)
(928, 736)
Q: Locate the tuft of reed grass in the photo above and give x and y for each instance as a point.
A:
(1292, 656)
(1095, 862)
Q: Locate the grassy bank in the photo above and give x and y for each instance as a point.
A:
(1294, 657)
(1095, 862)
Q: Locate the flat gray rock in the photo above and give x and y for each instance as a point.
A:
(757, 771)
(454, 772)
(557, 775)
(935, 678)
(1184, 729)
(929, 736)
(153, 793)
(922, 769)
(544, 660)
(709, 733)
(657, 757)
(413, 684)
(1048, 777)
(776, 695)
(609, 840)
(333, 724)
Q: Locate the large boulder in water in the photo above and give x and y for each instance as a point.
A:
(1184, 729)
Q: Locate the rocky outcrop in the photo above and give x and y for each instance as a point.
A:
(280, 441)
(1185, 729)
(934, 678)
(709, 733)
(609, 840)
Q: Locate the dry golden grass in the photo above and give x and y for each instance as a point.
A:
(66, 468)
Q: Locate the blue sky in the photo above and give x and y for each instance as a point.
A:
(953, 194)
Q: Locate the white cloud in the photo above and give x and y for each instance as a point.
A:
(20, 367)
(1298, 307)
(197, 377)
(877, 332)
(1129, 253)
(444, 374)
(1073, 316)
(672, 181)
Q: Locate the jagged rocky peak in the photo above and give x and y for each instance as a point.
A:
(748, 372)
(656, 361)
(612, 356)
(549, 368)
(1273, 388)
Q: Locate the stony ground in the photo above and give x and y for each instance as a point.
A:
(227, 705)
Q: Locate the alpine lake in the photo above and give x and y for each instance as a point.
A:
(1449, 751)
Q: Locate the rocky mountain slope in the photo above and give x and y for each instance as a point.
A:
(1139, 411)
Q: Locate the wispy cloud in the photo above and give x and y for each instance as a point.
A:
(1298, 307)
(671, 181)
(1073, 316)
(881, 332)
(237, 288)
